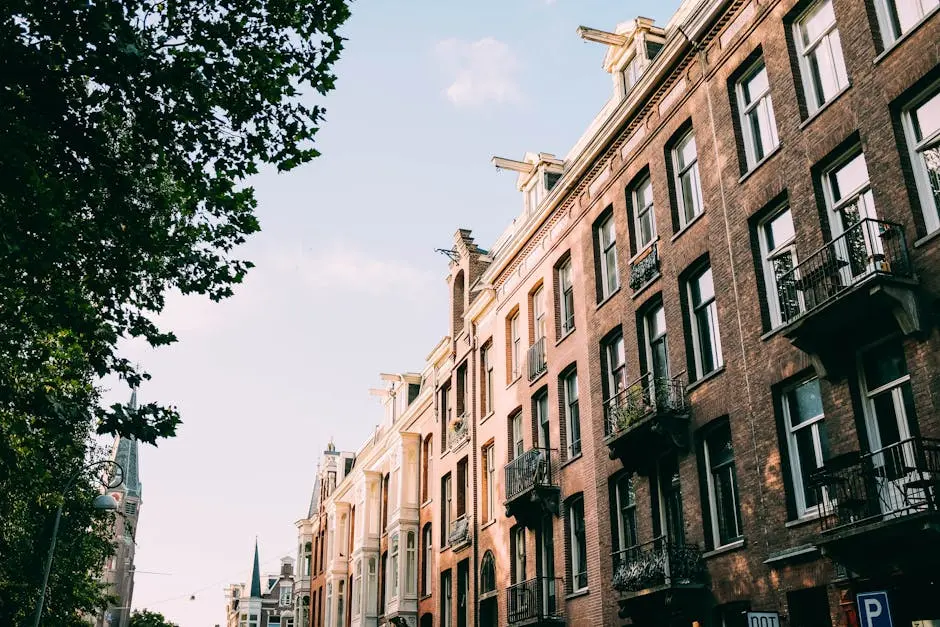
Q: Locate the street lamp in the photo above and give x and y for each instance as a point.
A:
(103, 502)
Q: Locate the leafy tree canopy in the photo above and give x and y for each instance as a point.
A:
(146, 618)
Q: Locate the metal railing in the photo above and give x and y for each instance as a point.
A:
(644, 269)
(458, 533)
(535, 599)
(657, 563)
(535, 359)
(646, 396)
(533, 469)
(867, 248)
(458, 431)
(897, 480)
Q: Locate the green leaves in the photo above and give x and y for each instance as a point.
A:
(146, 618)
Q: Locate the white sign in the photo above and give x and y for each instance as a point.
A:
(763, 619)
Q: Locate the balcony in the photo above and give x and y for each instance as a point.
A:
(458, 533)
(650, 416)
(879, 511)
(535, 359)
(535, 602)
(660, 579)
(645, 268)
(855, 289)
(458, 432)
(532, 488)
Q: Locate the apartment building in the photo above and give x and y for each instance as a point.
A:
(265, 601)
(696, 380)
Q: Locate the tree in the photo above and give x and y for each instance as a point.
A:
(128, 130)
(146, 618)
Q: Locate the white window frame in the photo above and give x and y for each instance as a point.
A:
(566, 288)
(578, 560)
(793, 452)
(490, 470)
(681, 172)
(534, 194)
(622, 508)
(447, 598)
(427, 583)
(340, 603)
(768, 256)
(538, 314)
(714, 333)
(641, 208)
(515, 345)
(356, 590)
(889, 21)
(746, 108)
(285, 591)
(632, 72)
(929, 202)
(807, 51)
(411, 562)
(712, 493)
(487, 359)
(518, 554)
(393, 566)
(572, 412)
(518, 438)
(607, 249)
(614, 348)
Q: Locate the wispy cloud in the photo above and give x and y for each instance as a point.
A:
(483, 71)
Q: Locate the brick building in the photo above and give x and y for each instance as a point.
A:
(698, 376)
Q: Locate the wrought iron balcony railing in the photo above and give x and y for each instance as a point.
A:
(898, 480)
(533, 600)
(658, 563)
(458, 431)
(647, 396)
(644, 269)
(868, 248)
(458, 533)
(536, 359)
(536, 468)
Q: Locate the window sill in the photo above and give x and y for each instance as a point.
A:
(446, 547)
(424, 597)
(774, 331)
(926, 239)
(426, 503)
(607, 299)
(792, 554)
(688, 225)
(708, 377)
(640, 290)
(815, 114)
(757, 166)
(487, 417)
(572, 459)
(897, 42)
(727, 548)
(513, 382)
(805, 520)
(488, 523)
(643, 250)
(542, 374)
(578, 593)
(564, 336)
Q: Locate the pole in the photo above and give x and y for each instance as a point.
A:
(45, 576)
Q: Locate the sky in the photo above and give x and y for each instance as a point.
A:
(348, 283)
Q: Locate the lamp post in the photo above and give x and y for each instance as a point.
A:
(104, 502)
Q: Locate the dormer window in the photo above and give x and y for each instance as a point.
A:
(534, 196)
(632, 73)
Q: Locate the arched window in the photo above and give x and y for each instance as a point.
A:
(488, 573)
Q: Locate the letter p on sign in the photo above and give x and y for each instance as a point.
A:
(873, 609)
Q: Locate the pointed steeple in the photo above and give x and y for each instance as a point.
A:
(256, 576)
(125, 453)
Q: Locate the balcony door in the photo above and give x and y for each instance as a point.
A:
(657, 354)
(889, 420)
(546, 566)
(541, 420)
(667, 513)
(849, 198)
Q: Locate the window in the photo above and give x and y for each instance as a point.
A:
(444, 409)
(489, 483)
(373, 586)
(849, 199)
(577, 543)
(540, 413)
(632, 73)
(426, 466)
(706, 339)
(446, 497)
(515, 346)
(538, 314)
(486, 365)
(411, 559)
(385, 481)
(329, 604)
(383, 583)
(615, 365)
(758, 124)
(285, 595)
(393, 568)
(820, 51)
(644, 218)
(657, 350)
(274, 621)
(569, 389)
(426, 570)
(607, 257)
(722, 484)
(807, 441)
(517, 548)
(623, 512)
(488, 574)
(566, 296)
(355, 591)
(518, 443)
(778, 258)
(446, 592)
(462, 479)
(897, 17)
(463, 390)
(463, 591)
(688, 186)
(921, 122)
(809, 607)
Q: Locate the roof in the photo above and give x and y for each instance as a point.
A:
(126, 452)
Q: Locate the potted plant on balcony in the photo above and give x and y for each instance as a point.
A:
(632, 408)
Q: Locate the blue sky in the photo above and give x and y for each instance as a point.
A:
(347, 282)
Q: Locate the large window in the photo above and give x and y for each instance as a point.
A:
(623, 509)
(577, 543)
(615, 365)
(607, 257)
(778, 258)
(706, 339)
(849, 198)
(355, 590)
(411, 562)
(515, 346)
(807, 441)
(644, 217)
(809, 607)
(922, 129)
(566, 296)
(393, 568)
(723, 501)
(487, 574)
(540, 413)
(820, 50)
(285, 591)
(758, 124)
(538, 314)
(657, 350)
(515, 432)
(341, 603)
(569, 389)
(428, 450)
(486, 365)
(897, 17)
(688, 186)
(517, 548)
(462, 482)
(426, 570)
(446, 597)
(489, 483)
(446, 497)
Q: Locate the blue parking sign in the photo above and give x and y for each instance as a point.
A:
(873, 610)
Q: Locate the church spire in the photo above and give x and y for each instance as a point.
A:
(255, 576)
(125, 453)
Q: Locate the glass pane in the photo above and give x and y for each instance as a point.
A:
(884, 364)
(754, 121)
(725, 500)
(805, 403)
(657, 322)
(927, 117)
(689, 184)
(779, 230)
(816, 22)
(703, 289)
(806, 454)
(612, 279)
(644, 194)
(719, 447)
(887, 419)
(822, 71)
(909, 12)
(706, 348)
(646, 228)
(755, 85)
(686, 151)
(849, 178)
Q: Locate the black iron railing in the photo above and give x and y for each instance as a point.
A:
(867, 248)
(536, 468)
(458, 431)
(657, 563)
(644, 269)
(646, 396)
(459, 532)
(536, 359)
(535, 599)
(898, 480)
